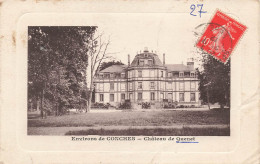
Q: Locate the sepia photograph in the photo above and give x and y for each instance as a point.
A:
(90, 80)
(129, 81)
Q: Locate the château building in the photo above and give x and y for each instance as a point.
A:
(147, 79)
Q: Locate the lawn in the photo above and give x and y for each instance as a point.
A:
(135, 118)
(186, 131)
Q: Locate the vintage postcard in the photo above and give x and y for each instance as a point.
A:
(130, 82)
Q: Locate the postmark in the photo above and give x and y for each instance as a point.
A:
(221, 36)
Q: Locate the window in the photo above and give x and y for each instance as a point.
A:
(192, 85)
(140, 96)
(169, 96)
(150, 62)
(186, 74)
(111, 86)
(139, 73)
(101, 97)
(152, 96)
(192, 96)
(181, 74)
(152, 85)
(181, 97)
(169, 74)
(140, 85)
(122, 75)
(145, 62)
(122, 86)
(112, 75)
(161, 73)
(192, 74)
(101, 75)
(130, 74)
(181, 86)
(141, 63)
(152, 73)
(101, 86)
(107, 75)
(122, 96)
(169, 85)
(111, 97)
(130, 96)
(162, 97)
(161, 83)
(117, 75)
(130, 86)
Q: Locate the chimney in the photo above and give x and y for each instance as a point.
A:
(190, 63)
(146, 49)
(128, 60)
(163, 58)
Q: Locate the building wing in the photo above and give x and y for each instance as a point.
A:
(179, 67)
(114, 69)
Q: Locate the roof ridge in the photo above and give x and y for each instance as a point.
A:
(110, 69)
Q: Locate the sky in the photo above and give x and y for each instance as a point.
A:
(169, 33)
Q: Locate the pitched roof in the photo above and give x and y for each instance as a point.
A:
(114, 69)
(147, 55)
(179, 67)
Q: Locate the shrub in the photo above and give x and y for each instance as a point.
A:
(100, 105)
(146, 105)
(170, 104)
(125, 105)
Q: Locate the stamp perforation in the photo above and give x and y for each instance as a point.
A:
(217, 39)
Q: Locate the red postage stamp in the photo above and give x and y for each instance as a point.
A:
(221, 36)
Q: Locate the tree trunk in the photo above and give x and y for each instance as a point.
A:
(227, 100)
(43, 112)
(91, 90)
(56, 107)
(89, 99)
(222, 106)
(42, 104)
(208, 97)
(37, 104)
(56, 101)
(31, 105)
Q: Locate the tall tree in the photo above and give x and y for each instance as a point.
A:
(214, 79)
(57, 61)
(97, 54)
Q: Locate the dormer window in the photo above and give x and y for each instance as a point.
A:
(112, 75)
(145, 62)
(141, 63)
(107, 75)
(150, 62)
(181, 74)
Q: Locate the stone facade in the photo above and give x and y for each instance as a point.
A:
(147, 79)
